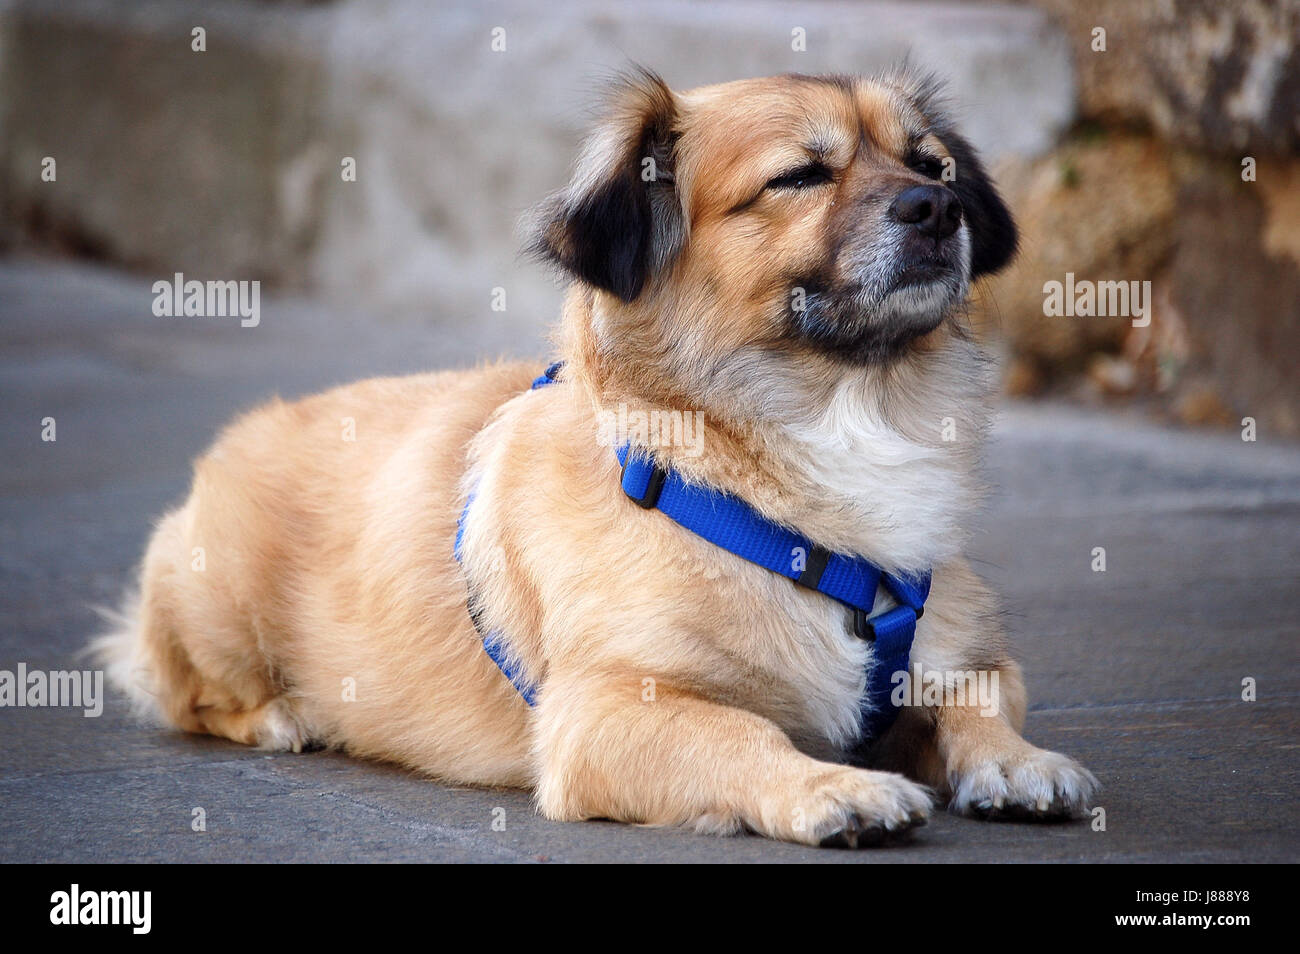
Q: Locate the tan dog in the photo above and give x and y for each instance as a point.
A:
(782, 263)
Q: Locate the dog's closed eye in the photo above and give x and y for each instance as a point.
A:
(928, 166)
(805, 177)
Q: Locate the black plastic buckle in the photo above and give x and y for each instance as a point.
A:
(865, 628)
(653, 488)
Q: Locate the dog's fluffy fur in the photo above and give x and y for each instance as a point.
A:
(307, 592)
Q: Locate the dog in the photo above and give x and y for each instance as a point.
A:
(465, 588)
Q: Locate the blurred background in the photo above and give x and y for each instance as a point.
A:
(1122, 154)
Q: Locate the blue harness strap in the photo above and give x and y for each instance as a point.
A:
(548, 376)
(732, 524)
(735, 526)
(495, 643)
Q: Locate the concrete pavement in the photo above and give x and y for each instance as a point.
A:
(1136, 671)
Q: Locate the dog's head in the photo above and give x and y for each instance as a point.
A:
(840, 215)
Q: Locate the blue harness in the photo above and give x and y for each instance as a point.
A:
(730, 523)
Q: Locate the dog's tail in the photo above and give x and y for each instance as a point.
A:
(120, 651)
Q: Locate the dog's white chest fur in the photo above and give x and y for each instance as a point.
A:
(824, 663)
(900, 500)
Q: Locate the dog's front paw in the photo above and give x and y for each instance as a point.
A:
(1030, 784)
(280, 729)
(849, 808)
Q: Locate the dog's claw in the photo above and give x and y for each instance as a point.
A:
(846, 837)
(856, 835)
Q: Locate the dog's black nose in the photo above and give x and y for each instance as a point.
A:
(934, 210)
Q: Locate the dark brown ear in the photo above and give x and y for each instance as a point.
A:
(994, 236)
(619, 220)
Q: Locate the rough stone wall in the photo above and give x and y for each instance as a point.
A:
(1153, 184)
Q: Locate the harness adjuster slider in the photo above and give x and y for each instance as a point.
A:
(864, 627)
(649, 499)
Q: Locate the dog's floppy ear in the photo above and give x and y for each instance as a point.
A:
(619, 219)
(993, 232)
(994, 237)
